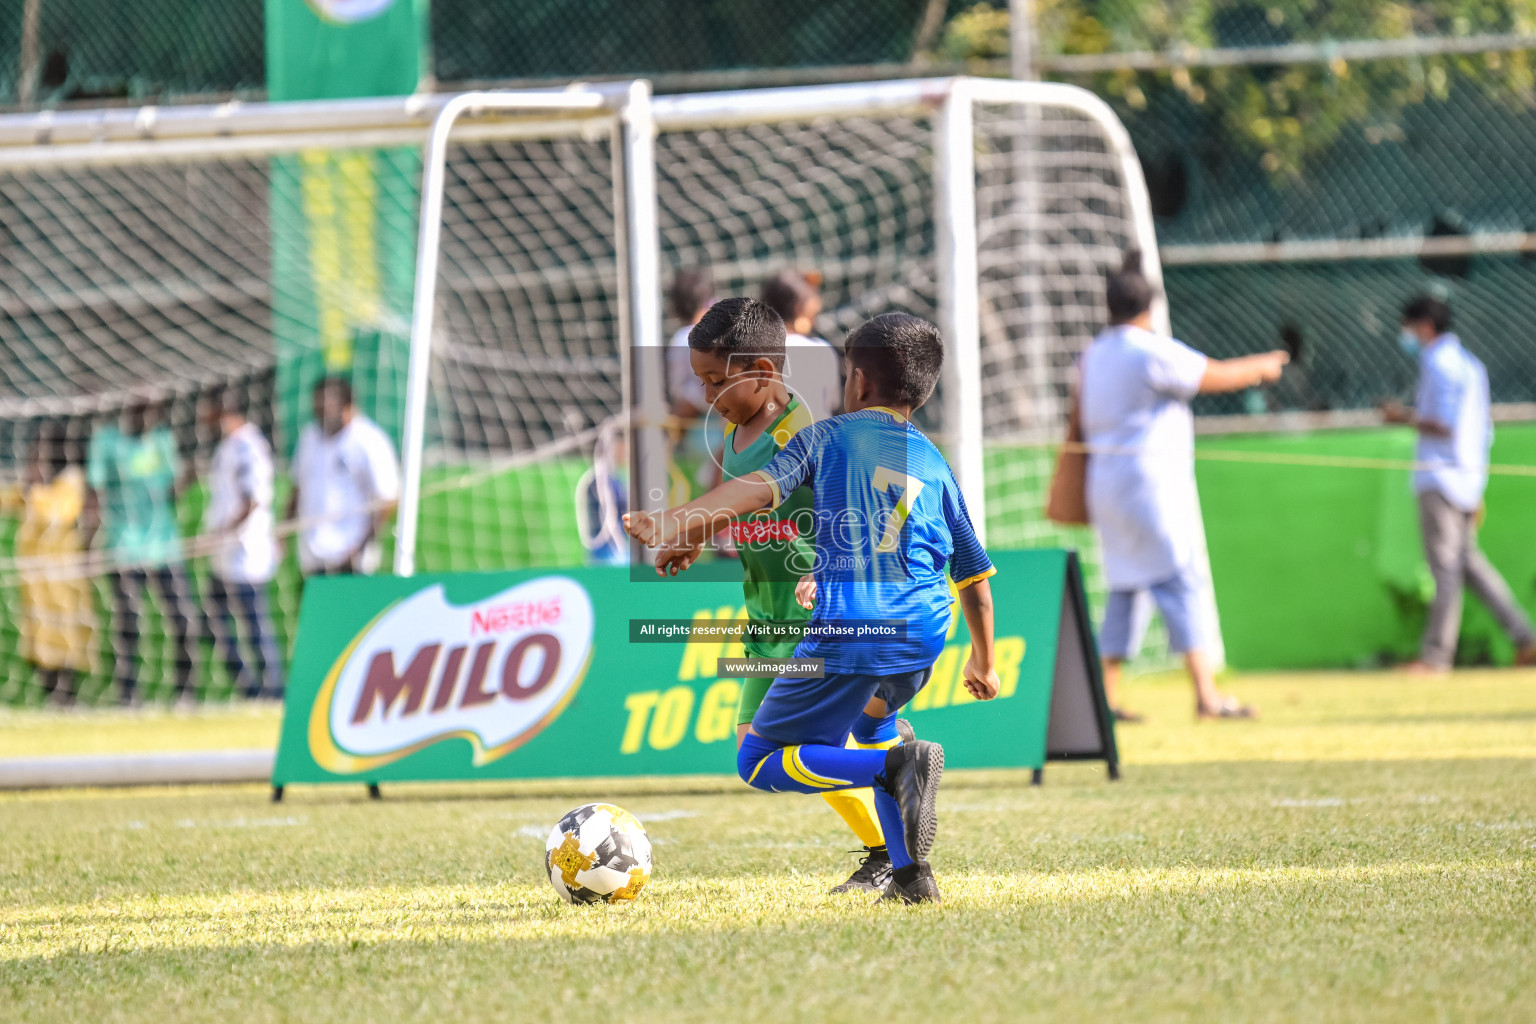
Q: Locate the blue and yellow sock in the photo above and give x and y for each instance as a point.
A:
(857, 806)
(869, 731)
(890, 825)
(806, 768)
(881, 733)
(817, 768)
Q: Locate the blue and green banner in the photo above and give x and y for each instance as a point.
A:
(344, 220)
(534, 675)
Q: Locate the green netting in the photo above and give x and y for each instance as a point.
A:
(1107, 26)
(1462, 163)
(484, 40)
(93, 50)
(1346, 315)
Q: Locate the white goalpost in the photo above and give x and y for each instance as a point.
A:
(948, 106)
(634, 194)
(484, 267)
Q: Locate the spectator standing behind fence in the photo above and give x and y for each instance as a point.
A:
(1455, 426)
(239, 522)
(57, 611)
(133, 470)
(1133, 411)
(813, 369)
(346, 482)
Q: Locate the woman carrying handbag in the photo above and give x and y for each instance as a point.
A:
(1138, 487)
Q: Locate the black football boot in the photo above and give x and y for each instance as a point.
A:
(873, 873)
(912, 884)
(912, 773)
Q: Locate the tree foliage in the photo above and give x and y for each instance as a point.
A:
(1284, 112)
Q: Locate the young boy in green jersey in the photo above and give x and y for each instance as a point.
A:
(737, 351)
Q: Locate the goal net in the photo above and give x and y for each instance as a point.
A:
(149, 274)
(163, 267)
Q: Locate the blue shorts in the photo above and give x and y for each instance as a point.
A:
(1180, 600)
(824, 710)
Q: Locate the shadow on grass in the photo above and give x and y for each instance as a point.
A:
(1213, 817)
(1401, 937)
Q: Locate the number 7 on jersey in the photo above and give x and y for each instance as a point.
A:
(907, 489)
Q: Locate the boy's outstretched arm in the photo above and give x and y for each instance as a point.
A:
(697, 521)
(980, 673)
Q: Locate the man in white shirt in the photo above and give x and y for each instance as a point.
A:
(346, 483)
(813, 369)
(239, 520)
(1133, 410)
(1451, 414)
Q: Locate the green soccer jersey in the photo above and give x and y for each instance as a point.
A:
(775, 545)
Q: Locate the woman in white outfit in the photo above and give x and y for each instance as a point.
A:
(1133, 408)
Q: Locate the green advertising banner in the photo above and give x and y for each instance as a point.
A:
(344, 221)
(537, 675)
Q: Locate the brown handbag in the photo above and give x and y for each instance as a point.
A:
(1067, 503)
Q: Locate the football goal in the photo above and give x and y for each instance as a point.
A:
(487, 272)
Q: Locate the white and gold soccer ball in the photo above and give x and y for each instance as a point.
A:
(598, 853)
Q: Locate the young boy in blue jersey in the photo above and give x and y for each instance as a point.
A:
(889, 521)
(737, 351)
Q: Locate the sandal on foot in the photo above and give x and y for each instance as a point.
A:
(1227, 708)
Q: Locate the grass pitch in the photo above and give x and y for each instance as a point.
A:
(1366, 851)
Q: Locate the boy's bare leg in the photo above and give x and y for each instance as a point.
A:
(1112, 682)
(1204, 677)
(1209, 701)
(1112, 672)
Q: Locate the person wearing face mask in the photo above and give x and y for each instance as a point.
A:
(1455, 432)
(346, 482)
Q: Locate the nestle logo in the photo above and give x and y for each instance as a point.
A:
(514, 615)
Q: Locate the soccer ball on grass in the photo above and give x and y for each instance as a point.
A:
(598, 853)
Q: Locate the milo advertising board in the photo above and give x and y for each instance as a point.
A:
(541, 674)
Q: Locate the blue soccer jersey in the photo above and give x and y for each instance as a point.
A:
(889, 521)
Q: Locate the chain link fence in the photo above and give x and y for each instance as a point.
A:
(91, 51)
(1311, 166)
(59, 51)
(1433, 197)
